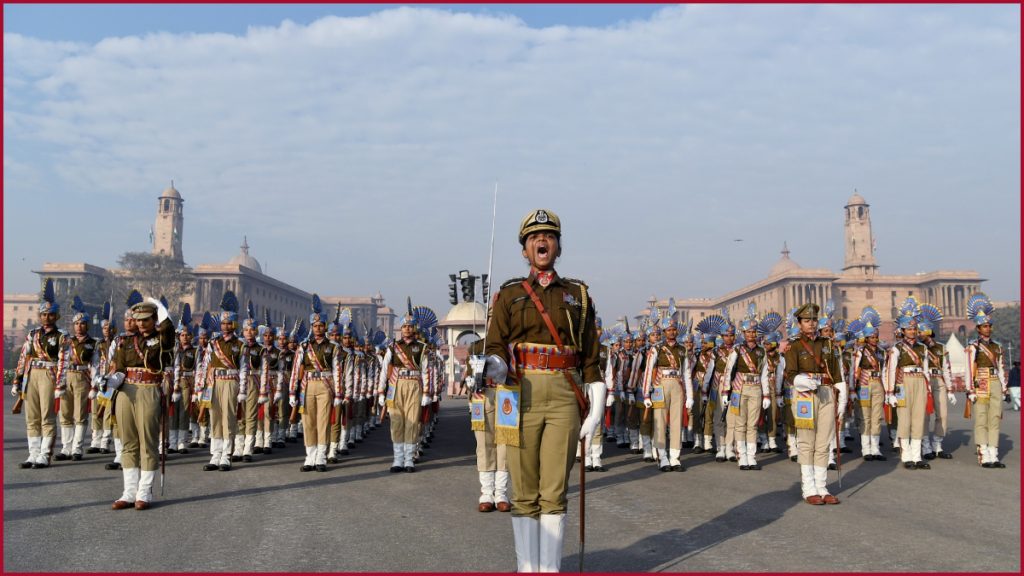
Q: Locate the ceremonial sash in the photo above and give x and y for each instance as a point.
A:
(746, 359)
(315, 357)
(864, 388)
(224, 359)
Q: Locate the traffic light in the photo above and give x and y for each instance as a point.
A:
(452, 294)
(467, 289)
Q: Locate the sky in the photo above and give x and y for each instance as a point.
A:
(358, 147)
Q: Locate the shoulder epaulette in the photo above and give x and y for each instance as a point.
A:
(513, 281)
(575, 281)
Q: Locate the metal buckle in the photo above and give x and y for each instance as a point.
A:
(546, 360)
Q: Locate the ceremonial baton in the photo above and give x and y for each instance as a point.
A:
(481, 378)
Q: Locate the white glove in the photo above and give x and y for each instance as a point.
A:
(424, 400)
(176, 397)
(844, 396)
(337, 401)
(436, 398)
(161, 311)
(780, 401)
(952, 398)
(804, 383)
(381, 400)
(765, 403)
(293, 401)
(195, 397)
(596, 391)
(689, 403)
(648, 403)
(15, 391)
(609, 400)
(58, 393)
(92, 394)
(115, 380)
(622, 396)
(495, 368)
(890, 399)
(972, 397)
(262, 399)
(242, 396)
(278, 396)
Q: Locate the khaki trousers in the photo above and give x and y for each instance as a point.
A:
(937, 422)
(988, 414)
(489, 455)
(675, 400)
(750, 412)
(223, 418)
(40, 419)
(911, 416)
(813, 445)
(550, 428)
(405, 416)
(247, 427)
(316, 412)
(786, 414)
(873, 414)
(180, 416)
(359, 412)
(74, 403)
(99, 422)
(138, 417)
(633, 419)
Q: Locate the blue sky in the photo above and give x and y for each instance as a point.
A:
(658, 134)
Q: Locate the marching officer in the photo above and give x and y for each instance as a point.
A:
(986, 381)
(137, 373)
(491, 460)
(908, 390)
(222, 385)
(667, 391)
(82, 367)
(403, 389)
(868, 368)
(255, 385)
(102, 428)
(543, 337)
(267, 414)
(313, 387)
(39, 379)
(939, 379)
(184, 381)
(744, 367)
(285, 362)
(819, 395)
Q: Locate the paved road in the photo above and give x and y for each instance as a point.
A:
(269, 516)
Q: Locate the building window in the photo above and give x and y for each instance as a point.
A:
(15, 307)
(845, 313)
(842, 293)
(14, 323)
(869, 295)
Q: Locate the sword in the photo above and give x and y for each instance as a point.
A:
(583, 502)
(481, 378)
(163, 444)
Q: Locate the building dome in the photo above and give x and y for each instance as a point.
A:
(244, 259)
(856, 200)
(171, 192)
(466, 314)
(784, 264)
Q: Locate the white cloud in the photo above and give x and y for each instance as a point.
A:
(692, 125)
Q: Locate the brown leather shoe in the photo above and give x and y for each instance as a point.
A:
(120, 505)
(814, 499)
(504, 507)
(830, 499)
(486, 507)
(141, 505)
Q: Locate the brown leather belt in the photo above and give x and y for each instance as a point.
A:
(531, 360)
(143, 376)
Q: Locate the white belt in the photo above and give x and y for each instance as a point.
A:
(43, 364)
(224, 372)
(668, 372)
(408, 373)
(911, 370)
(319, 375)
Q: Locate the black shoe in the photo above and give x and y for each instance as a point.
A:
(588, 468)
(945, 455)
(351, 445)
(792, 458)
(37, 466)
(744, 467)
(236, 458)
(649, 459)
(929, 456)
(105, 450)
(998, 464)
(845, 450)
(666, 468)
(754, 467)
(193, 444)
(636, 451)
(25, 465)
(359, 440)
(578, 458)
(225, 467)
(344, 452)
(719, 458)
(172, 450)
(733, 459)
(332, 460)
(923, 465)
(832, 466)
(986, 465)
(410, 469)
(622, 445)
(910, 465)
(678, 468)
(306, 468)
(599, 468)
(848, 438)
(62, 456)
(292, 440)
(396, 469)
(92, 450)
(210, 467)
(321, 468)
(247, 458)
(698, 450)
(687, 444)
(869, 457)
(76, 457)
(113, 466)
(777, 449)
(267, 451)
(880, 458)
(183, 451)
(257, 450)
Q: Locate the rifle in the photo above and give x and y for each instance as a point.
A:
(583, 503)
(163, 442)
(967, 408)
(18, 404)
(839, 454)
